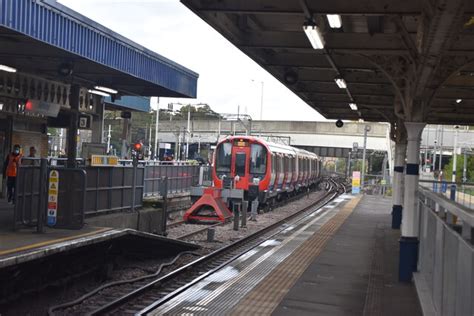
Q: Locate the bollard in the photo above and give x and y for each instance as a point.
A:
(254, 210)
(245, 205)
(211, 232)
(453, 192)
(236, 209)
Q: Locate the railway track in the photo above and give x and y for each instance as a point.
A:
(128, 298)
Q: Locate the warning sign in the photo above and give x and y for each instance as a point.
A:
(53, 197)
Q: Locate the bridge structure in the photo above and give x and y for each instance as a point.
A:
(323, 138)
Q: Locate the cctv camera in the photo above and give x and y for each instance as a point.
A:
(339, 123)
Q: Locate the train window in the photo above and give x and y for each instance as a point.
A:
(223, 158)
(258, 159)
(240, 159)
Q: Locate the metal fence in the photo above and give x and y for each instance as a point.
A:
(106, 189)
(446, 255)
(32, 198)
(111, 188)
(461, 193)
(180, 178)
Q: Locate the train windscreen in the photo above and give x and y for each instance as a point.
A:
(223, 158)
(258, 159)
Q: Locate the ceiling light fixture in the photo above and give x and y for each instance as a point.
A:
(99, 93)
(7, 69)
(353, 106)
(105, 89)
(458, 101)
(334, 20)
(314, 35)
(341, 83)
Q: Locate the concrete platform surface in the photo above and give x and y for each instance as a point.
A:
(27, 245)
(357, 273)
(341, 261)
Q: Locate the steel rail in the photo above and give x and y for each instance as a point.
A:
(334, 190)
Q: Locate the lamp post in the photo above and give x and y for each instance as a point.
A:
(155, 148)
(362, 178)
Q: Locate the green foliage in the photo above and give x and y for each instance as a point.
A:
(448, 169)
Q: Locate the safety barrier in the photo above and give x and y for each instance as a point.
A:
(103, 189)
(113, 188)
(461, 193)
(49, 195)
(180, 178)
(446, 254)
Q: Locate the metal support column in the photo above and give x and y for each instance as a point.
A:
(362, 178)
(397, 197)
(409, 241)
(73, 127)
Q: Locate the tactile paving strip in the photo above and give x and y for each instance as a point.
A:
(268, 294)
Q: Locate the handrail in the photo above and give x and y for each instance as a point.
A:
(462, 212)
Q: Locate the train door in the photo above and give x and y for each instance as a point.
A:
(240, 166)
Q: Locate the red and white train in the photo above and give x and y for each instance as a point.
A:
(242, 164)
(277, 169)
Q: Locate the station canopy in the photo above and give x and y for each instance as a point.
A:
(390, 54)
(46, 39)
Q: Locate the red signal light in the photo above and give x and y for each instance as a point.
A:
(28, 105)
(137, 146)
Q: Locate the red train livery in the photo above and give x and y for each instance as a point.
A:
(244, 163)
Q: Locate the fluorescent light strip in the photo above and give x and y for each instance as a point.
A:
(99, 93)
(334, 20)
(314, 36)
(7, 69)
(105, 89)
(458, 101)
(341, 83)
(353, 106)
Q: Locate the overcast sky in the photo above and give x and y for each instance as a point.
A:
(225, 74)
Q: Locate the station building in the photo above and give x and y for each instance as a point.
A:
(57, 67)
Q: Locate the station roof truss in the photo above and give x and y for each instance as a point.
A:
(45, 38)
(401, 59)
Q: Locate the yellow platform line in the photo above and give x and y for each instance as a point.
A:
(53, 241)
(271, 290)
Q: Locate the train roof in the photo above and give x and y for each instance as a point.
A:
(275, 147)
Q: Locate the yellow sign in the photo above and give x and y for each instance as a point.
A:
(104, 161)
(53, 174)
(356, 182)
(52, 192)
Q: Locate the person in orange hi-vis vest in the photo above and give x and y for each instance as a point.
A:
(11, 165)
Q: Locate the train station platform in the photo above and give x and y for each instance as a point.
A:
(342, 260)
(27, 246)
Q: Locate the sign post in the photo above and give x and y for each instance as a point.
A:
(53, 197)
(355, 182)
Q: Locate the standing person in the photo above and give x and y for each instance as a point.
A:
(12, 163)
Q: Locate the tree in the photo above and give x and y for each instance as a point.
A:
(448, 169)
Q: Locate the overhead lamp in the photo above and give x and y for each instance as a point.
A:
(314, 35)
(458, 101)
(341, 83)
(102, 93)
(334, 20)
(7, 69)
(353, 106)
(105, 89)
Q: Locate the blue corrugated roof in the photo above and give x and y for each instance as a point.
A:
(54, 24)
